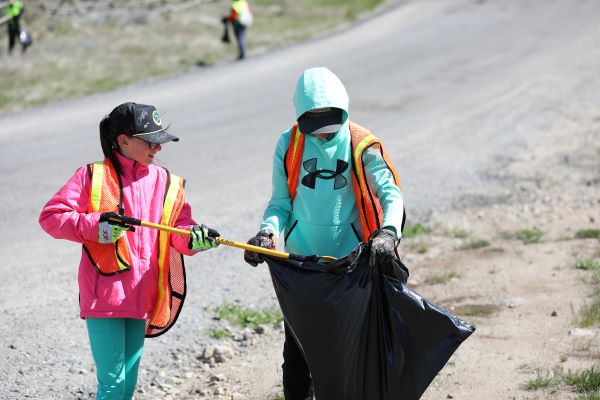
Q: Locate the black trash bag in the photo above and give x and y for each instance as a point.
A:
(363, 332)
(225, 36)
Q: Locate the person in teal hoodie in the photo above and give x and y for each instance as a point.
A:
(320, 214)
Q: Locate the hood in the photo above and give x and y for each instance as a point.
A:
(318, 88)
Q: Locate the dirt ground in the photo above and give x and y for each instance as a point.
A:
(530, 89)
(524, 298)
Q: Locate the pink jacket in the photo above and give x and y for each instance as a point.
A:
(130, 294)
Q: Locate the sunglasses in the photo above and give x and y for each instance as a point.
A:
(151, 146)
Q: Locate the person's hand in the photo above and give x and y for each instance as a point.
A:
(262, 239)
(383, 247)
(109, 229)
(203, 238)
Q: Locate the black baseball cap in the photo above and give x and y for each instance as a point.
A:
(141, 121)
(321, 121)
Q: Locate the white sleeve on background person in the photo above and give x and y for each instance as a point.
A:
(380, 178)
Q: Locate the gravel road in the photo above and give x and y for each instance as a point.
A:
(451, 86)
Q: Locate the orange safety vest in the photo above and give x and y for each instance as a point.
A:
(111, 258)
(369, 207)
(105, 196)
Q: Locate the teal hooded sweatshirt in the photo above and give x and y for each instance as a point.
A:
(323, 219)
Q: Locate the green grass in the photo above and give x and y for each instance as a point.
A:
(588, 234)
(589, 315)
(78, 57)
(411, 231)
(458, 233)
(539, 382)
(476, 244)
(476, 310)
(219, 333)
(587, 264)
(247, 318)
(524, 367)
(420, 247)
(585, 382)
(527, 236)
(4, 100)
(277, 391)
(590, 396)
(352, 8)
(438, 279)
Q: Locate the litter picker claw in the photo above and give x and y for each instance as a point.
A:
(122, 219)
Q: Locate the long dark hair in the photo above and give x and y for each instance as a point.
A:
(108, 141)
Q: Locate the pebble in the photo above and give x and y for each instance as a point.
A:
(223, 353)
(580, 332)
(176, 380)
(208, 352)
(218, 378)
(513, 302)
(219, 391)
(261, 329)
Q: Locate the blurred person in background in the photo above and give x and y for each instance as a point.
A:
(334, 186)
(240, 16)
(14, 10)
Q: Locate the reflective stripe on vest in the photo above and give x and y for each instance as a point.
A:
(105, 196)
(164, 316)
(369, 208)
(293, 160)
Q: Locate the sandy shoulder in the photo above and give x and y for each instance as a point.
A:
(526, 297)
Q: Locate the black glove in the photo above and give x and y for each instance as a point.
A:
(113, 218)
(383, 247)
(262, 239)
(111, 228)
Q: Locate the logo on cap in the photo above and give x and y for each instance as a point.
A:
(156, 118)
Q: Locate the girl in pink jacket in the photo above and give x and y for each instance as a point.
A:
(131, 281)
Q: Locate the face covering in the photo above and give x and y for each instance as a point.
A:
(323, 124)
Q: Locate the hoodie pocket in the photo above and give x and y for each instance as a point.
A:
(287, 235)
(331, 240)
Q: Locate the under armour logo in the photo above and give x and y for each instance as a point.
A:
(310, 179)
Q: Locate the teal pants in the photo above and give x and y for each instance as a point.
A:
(117, 345)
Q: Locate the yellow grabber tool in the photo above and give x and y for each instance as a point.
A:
(124, 220)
